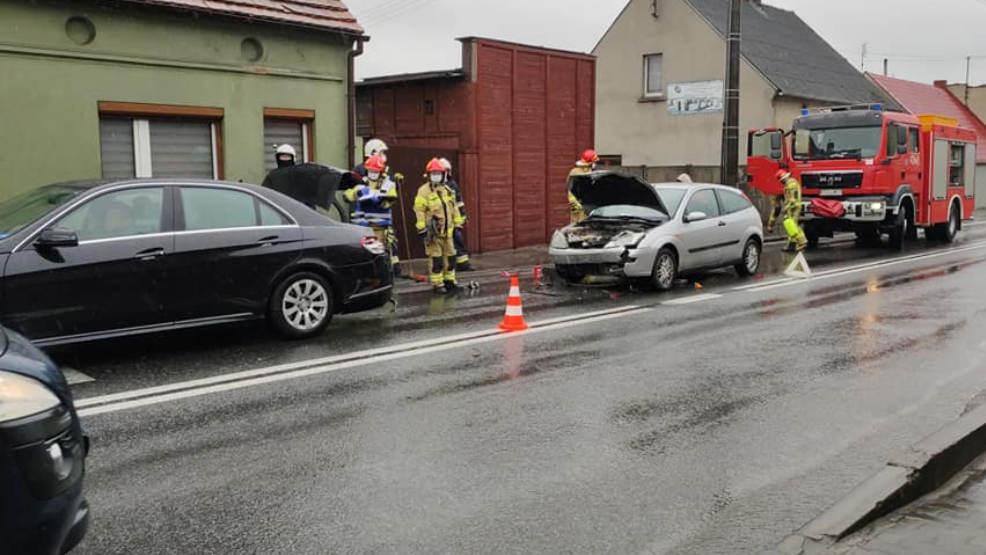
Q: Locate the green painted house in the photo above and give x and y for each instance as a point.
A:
(171, 88)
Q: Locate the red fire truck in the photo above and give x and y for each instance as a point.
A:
(871, 171)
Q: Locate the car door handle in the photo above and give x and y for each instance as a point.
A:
(723, 224)
(149, 254)
(267, 241)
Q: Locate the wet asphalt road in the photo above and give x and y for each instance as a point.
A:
(717, 426)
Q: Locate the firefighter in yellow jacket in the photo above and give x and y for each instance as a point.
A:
(437, 216)
(796, 239)
(586, 164)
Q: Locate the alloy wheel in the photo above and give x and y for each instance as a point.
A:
(305, 305)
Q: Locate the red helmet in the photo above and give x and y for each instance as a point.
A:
(589, 157)
(435, 165)
(782, 175)
(375, 164)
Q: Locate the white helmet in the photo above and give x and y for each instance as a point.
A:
(286, 149)
(446, 163)
(374, 146)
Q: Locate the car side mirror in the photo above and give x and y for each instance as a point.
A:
(55, 237)
(696, 217)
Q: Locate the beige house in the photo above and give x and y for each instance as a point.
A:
(973, 97)
(659, 82)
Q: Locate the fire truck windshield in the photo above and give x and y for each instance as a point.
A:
(837, 143)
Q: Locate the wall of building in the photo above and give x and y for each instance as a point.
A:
(51, 85)
(534, 116)
(976, 98)
(642, 131)
(518, 120)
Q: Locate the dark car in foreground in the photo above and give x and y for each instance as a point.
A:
(42, 454)
(92, 260)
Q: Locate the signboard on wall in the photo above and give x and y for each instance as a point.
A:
(697, 97)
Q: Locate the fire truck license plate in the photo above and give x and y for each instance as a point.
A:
(831, 192)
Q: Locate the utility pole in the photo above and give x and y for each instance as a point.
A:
(968, 68)
(729, 170)
(862, 60)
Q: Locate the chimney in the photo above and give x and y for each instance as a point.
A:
(941, 84)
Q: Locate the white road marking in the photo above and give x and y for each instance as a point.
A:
(862, 268)
(73, 376)
(692, 299)
(154, 395)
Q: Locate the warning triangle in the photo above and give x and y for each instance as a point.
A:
(798, 267)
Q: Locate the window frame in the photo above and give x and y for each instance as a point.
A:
(306, 118)
(167, 214)
(722, 193)
(141, 115)
(715, 198)
(179, 207)
(914, 135)
(660, 94)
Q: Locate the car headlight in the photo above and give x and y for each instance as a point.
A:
(558, 241)
(625, 239)
(21, 397)
(876, 206)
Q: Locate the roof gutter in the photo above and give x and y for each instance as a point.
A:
(351, 99)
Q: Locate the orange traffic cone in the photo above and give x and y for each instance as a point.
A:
(514, 318)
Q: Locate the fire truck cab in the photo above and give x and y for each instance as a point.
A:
(891, 172)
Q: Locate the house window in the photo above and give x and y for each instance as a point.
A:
(653, 84)
(141, 140)
(285, 126)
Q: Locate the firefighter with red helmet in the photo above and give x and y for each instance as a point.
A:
(373, 203)
(796, 239)
(462, 263)
(585, 164)
(436, 218)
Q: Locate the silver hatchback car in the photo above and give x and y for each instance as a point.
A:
(656, 231)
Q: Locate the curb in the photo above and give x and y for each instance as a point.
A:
(919, 470)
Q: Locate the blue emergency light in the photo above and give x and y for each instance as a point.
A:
(877, 107)
(805, 112)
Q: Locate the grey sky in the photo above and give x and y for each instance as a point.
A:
(924, 40)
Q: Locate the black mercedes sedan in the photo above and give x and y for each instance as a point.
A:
(42, 454)
(91, 260)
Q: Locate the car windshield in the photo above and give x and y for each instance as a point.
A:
(24, 209)
(671, 198)
(628, 212)
(837, 143)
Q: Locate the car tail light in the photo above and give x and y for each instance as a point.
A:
(373, 245)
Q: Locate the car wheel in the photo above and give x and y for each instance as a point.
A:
(301, 306)
(751, 258)
(665, 270)
(946, 232)
(902, 228)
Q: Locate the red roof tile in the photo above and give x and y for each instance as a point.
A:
(330, 15)
(920, 99)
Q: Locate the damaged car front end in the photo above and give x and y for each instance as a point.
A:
(611, 244)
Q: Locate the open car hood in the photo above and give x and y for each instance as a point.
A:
(605, 188)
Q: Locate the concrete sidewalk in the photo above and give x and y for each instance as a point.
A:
(949, 522)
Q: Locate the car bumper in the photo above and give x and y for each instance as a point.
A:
(617, 262)
(862, 209)
(40, 512)
(372, 285)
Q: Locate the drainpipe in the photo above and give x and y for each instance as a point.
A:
(351, 101)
